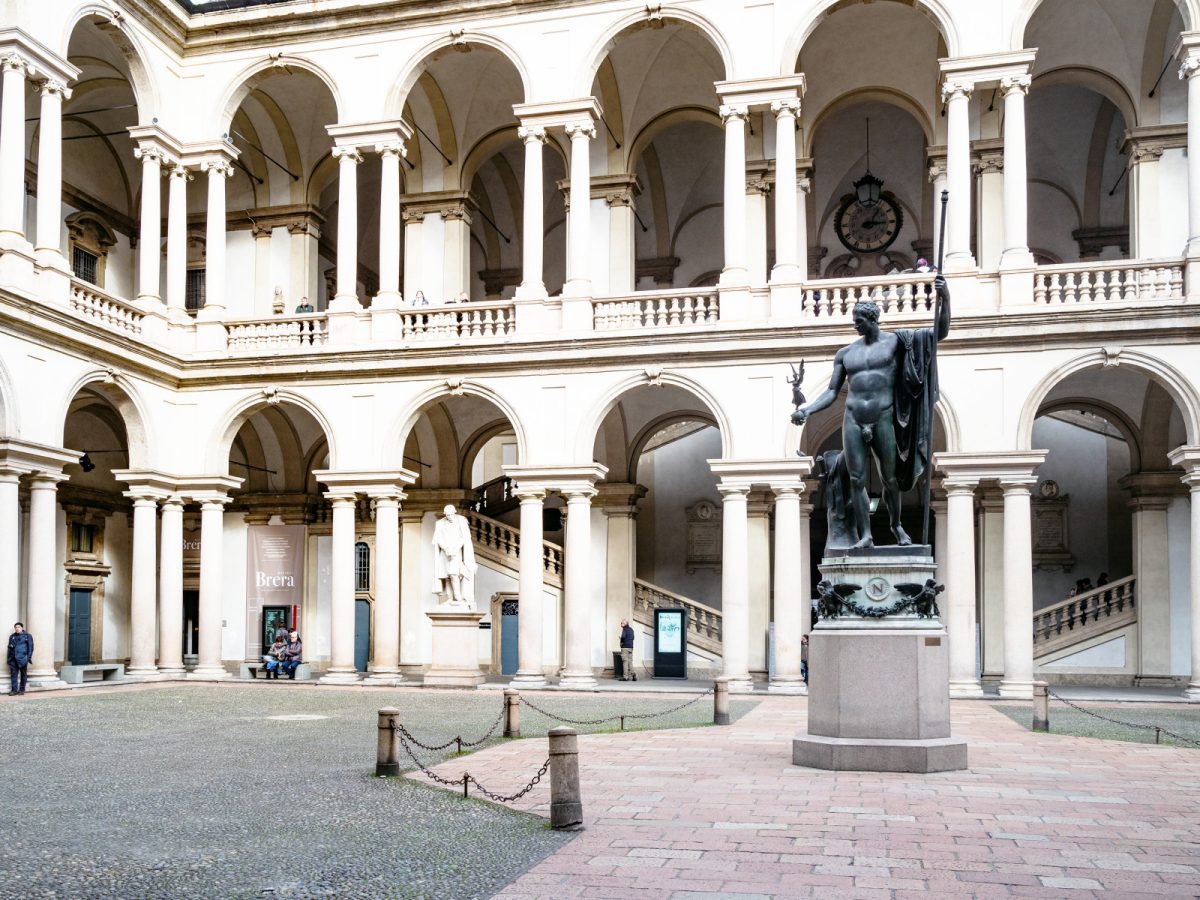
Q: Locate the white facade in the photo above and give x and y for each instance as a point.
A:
(603, 181)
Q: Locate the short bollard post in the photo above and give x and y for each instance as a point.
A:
(387, 759)
(720, 702)
(512, 713)
(1041, 706)
(566, 804)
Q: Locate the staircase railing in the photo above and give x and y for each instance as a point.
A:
(1085, 616)
(502, 544)
(495, 497)
(703, 622)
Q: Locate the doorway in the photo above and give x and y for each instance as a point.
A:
(508, 637)
(362, 634)
(79, 628)
(191, 626)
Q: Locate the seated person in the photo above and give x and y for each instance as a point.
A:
(273, 657)
(292, 655)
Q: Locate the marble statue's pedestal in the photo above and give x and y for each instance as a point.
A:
(455, 649)
(879, 688)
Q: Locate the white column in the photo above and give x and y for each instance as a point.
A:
(786, 268)
(212, 586)
(341, 593)
(803, 188)
(1016, 215)
(414, 220)
(530, 603)
(142, 587)
(735, 589)
(49, 174)
(577, 589)
(1018, 589)
(532, 283)
(937, 177)
(10, 556)
(957, 97)
(214, 242)
(150, 239)
(1192, 479)
(735, 272)
(346, 299)
(790, 591)
(385, 668)
(414, 589)
(456, 249)
(42, 589)
(12, 155)
(1190, 70)
(177, 241)
(389, 226)
(579, 233)
(960, 586)
(805, 557)
(170, 589)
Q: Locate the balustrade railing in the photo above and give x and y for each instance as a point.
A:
(655, 310)
(503, 543)
(91, 303)
(1085, 615)
(458, 321)
(1125, 281)
(909, 293)
(703, 622)
(310, 330)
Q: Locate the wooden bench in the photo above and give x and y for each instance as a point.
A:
(108, 672)
(249, 671)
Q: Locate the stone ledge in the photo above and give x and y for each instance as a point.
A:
(875, 755)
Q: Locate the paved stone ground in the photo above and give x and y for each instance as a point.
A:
(722, 813)
(177, 791)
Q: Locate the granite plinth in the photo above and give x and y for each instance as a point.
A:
(455, 649)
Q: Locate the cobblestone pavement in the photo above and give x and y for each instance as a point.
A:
(722, 813)
(179, 791)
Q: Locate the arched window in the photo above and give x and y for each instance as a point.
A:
(362, 567)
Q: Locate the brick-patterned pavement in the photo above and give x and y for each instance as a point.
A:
(722, 812)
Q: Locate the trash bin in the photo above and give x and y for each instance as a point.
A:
(618, 669)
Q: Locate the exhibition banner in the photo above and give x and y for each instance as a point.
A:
(274, 575)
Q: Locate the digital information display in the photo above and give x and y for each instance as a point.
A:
(670, 643)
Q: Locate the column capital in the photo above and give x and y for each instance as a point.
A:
(143, 497)
(346, 154)
(957, 90)
(788, 490)
(387, 498)
(1187, 457)
(209, 500)
(179, 171)
(733, 490)
(396, 149)
(34, 57)
(52, 86)
(173, 502)
(937, 169)
(578, 492)
(1017, 484)
(151, 153)
(1011, 84)
(1189, 67)
(532, 134)
(1187, 50)
(529, 494)
(959, 486)
(341, 497)
(785, 108)
(14, 62)
(990, 161)
(730, 112)
(218, 168)
(580, 130)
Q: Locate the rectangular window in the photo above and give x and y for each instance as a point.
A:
(83, 264)
(194, 296)
(362, 567)
(83, 537)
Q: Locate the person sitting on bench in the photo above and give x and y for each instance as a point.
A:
(292, 655)
(274, 657)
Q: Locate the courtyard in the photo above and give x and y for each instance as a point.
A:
(266, 791)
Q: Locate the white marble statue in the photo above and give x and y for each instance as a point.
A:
(454, 559)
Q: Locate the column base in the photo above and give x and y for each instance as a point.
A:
(1192, 692)
(788, 686)
(734, 276)
(143, 673)
(342, 303)
(384, 678)
(578, 681)
(53, 277)
(340, 675)
(16, 262)
(1017, 258)
(739, 684)
(966, 690)
(172, 671)
(787, 298)
(208, 673)
(528, 682)
(960, 262)
(210, 312)
(531, 291)
(45, 680)
(387, 300)
(1016, 690)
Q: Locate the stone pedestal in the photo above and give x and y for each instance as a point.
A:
(879, 687)
(455, 649)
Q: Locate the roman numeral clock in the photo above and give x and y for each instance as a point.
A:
(868, 226)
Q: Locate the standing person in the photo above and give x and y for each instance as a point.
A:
(627, 672)
(293, 654)
(20, 651)
(804, 658)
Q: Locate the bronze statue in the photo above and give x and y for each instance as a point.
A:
(891, 380)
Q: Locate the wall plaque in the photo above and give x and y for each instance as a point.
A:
(1051, 539)
(703, 536)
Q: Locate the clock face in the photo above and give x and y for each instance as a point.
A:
(868, 229)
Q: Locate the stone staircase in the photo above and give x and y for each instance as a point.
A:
(1084, 617)
(703, 622)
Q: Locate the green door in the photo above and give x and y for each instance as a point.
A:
(79, 628)
(362, 634)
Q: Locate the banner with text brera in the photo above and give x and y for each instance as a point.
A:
(274, 575)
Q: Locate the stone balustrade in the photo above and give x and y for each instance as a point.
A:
(703, 622)
(305, 331)
(835, 297)
(1119, 281)
(91, 303)
(1091, 614)
(657, 309)
(454, 322)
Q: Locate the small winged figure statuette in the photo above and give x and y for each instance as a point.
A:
(922, 598)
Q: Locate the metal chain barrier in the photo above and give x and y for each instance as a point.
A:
(1157, 729)
(406, 734)
(466, 778)
(614, 718)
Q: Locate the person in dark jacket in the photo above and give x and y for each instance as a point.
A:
(627, 673)
(292, 655)
(20, 651)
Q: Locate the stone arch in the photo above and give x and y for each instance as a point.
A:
(397, 434)
(491, 144)
(474, 443)
(667, 119)
(1094, 80)
(412, 70)
(1129, 430)
(123, 396)
(644, 18)
(876, 94)
(590, 424)
(10, 421)
(126, 40)
(935, 10)
(638, 444)
(246, 80)
(1167, 376)
(1188, 9)
(217, 458)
